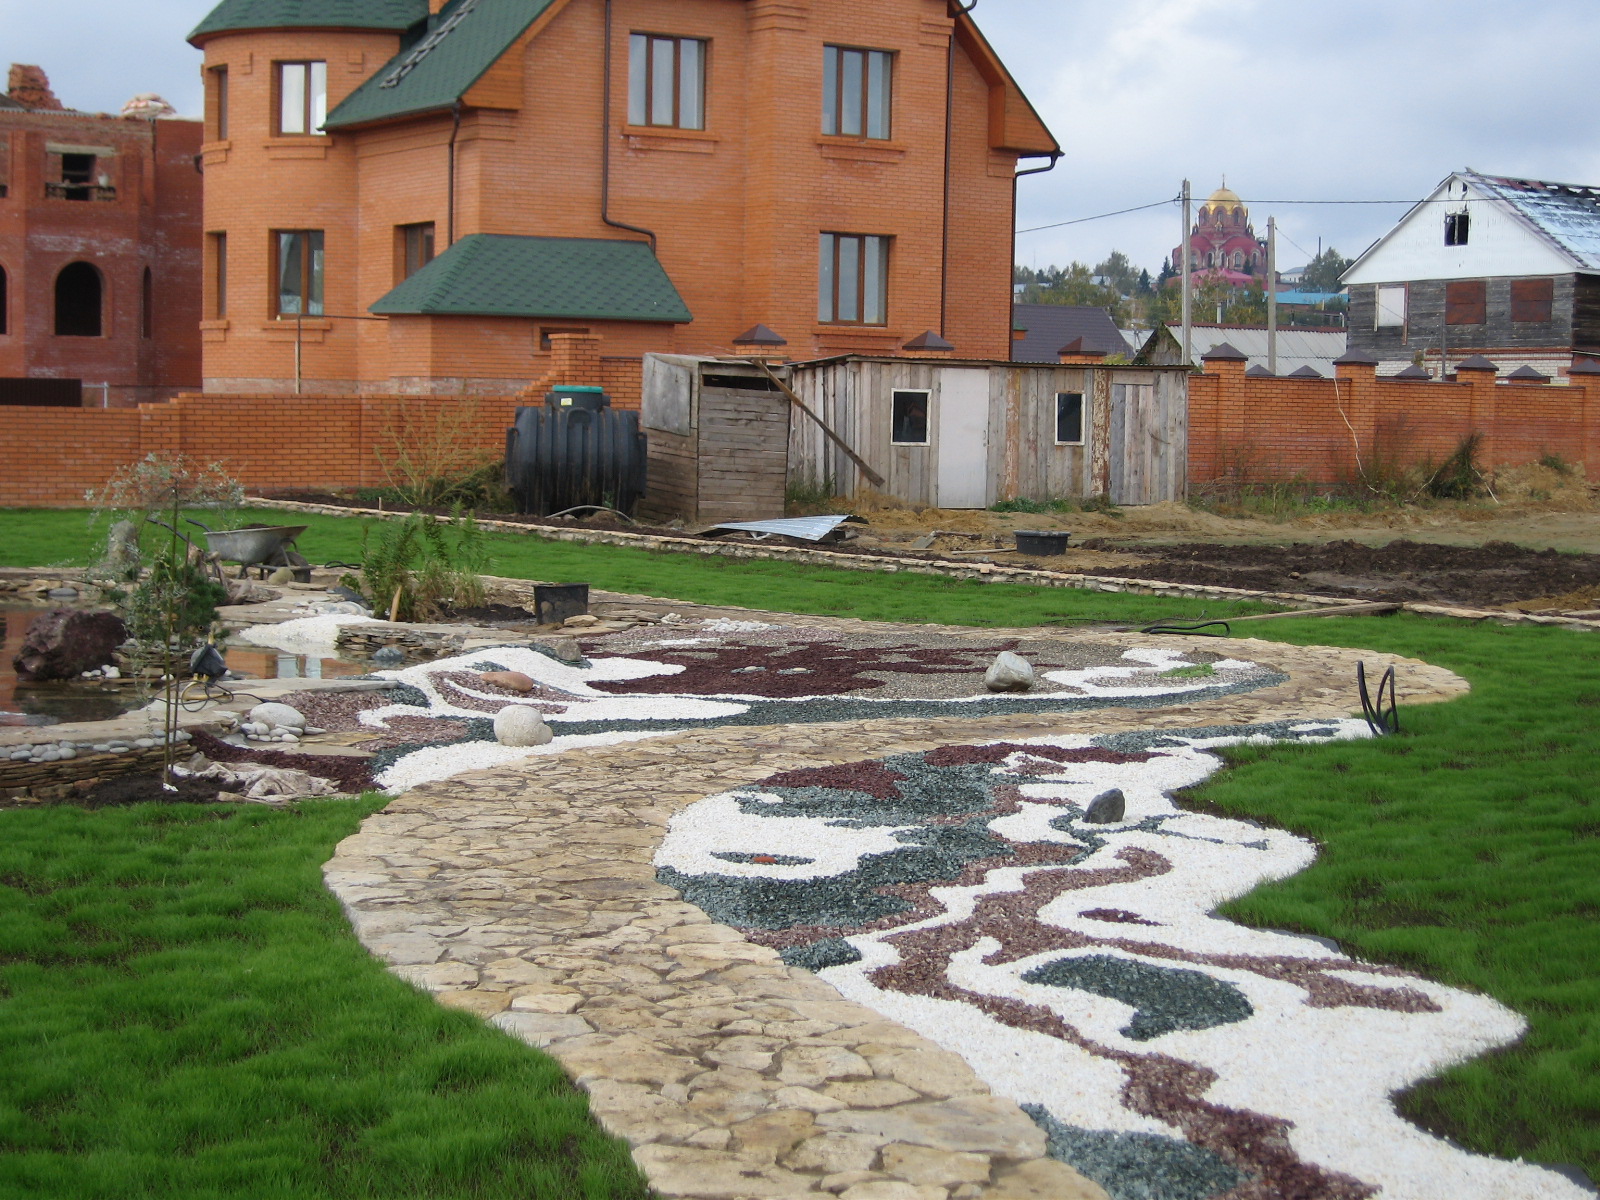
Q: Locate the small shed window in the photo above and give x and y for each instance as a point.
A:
(1391, 306)
(1532, 300)
(909, 423)
(1464, 302)
(1456, 228)
(1069, 418)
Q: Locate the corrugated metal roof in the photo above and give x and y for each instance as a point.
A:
(1315, 348)
(396, 15)
(1051, 326)
(467, 38)
(499, 275)
(1566, 214)
(809, 529)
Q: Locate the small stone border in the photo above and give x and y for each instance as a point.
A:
(528, 895)
(982, 572)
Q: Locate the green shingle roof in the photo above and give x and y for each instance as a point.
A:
(397, 15)
(468, 37)
(499, 275)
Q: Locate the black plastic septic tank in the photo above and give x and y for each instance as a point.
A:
(575, 450)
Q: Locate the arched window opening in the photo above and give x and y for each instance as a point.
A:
(147, 306)
(78, 300)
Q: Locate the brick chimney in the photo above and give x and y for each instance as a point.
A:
(1077, 353)
(30, 87)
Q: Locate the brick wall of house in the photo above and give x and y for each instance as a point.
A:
(148, 217)
(736, 208)
(1313, 429)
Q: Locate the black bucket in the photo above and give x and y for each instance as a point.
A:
(555, 602)
(1042, 541)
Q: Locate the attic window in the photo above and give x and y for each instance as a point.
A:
(1456, 228)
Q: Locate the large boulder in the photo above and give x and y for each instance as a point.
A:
(1009, 673)
(63, 643)
(520, 725)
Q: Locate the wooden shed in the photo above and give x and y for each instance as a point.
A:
(955, 434)
(718, 440)
(724, 439)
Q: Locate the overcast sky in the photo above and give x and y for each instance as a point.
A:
(1357, 100)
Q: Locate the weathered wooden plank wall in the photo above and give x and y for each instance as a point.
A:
(1146, 422)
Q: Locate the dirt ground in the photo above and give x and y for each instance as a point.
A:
(1534, 545)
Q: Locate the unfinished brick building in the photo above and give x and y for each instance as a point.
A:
(416, 196)
(99, 248)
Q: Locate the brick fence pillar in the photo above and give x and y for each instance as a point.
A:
(1585, 375)
(1355, 391)
(1231, 428)
(1479, 374)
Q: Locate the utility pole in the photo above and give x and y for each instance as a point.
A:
(1272, 294)
(1183, 242)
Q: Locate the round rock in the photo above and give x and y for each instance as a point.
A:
(1009, 673)
(519, 725)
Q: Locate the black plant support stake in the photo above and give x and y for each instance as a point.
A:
(1382, 716)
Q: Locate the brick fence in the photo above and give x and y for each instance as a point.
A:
(1239, 427)
(50, 457)
(1264, 427)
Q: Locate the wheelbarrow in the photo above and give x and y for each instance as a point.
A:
(259, 546)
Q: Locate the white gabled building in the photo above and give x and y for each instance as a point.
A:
(1505, 268)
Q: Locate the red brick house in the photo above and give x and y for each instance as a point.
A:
(417, 196)
(99, 248)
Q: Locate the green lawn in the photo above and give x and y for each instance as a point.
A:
(186, 1014)
(1468, 848)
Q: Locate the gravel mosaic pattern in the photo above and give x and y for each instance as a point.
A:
(1165, 1053)
(718, 673)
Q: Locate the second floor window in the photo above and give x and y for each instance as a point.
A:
(219, 103)
(415, 247)
(219, 275)
(666, 81)
(856, 85)
(853, 279)
(299, 273)
(302, 97)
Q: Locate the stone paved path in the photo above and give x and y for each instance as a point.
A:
(527, 895)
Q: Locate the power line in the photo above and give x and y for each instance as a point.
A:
(1254, 204)
(1101, 216)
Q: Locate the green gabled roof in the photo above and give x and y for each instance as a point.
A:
(396, 15)
(468, 38)
(498, 275)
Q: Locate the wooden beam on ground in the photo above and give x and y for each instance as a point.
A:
(872, 476)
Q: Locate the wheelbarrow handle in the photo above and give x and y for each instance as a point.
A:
(192, 521)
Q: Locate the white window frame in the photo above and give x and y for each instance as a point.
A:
(1082, 413)
(1389, 306)
(667, 81)
(927, 415)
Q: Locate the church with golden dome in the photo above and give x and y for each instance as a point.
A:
(1223, 243)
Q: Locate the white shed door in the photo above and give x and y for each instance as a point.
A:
(963, 416)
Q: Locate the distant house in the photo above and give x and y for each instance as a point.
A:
(1046, 328)
(1504, 268)
(99, 250)
(1298, 349)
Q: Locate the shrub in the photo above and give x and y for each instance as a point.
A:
(1458, 476)
(418, 569)
(434, 458)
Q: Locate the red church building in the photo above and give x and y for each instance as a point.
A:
(1223, 243)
